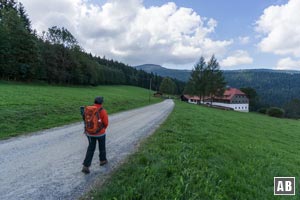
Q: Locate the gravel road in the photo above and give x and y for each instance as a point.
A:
(47, 164)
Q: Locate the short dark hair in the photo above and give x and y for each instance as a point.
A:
(98, 100)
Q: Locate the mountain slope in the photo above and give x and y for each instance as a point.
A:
(182, 75)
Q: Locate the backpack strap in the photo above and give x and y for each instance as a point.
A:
(98, 112)
(98, 116)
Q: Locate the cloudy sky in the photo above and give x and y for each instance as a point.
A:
(241, 34)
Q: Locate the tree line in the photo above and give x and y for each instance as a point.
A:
(55, 57)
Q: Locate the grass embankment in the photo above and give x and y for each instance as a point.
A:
(204, 153)
(25, 108)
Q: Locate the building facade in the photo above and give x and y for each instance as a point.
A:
(233, 98)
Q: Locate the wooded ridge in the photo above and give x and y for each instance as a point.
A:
(55, 56)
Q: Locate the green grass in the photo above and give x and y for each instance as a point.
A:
(205, 153)
(25, 108)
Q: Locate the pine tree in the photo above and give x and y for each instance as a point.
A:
(24, 17)
(198, 81)
(216, 84)
(206, 79)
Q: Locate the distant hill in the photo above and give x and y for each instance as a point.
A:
(182, 75)
(274, 87)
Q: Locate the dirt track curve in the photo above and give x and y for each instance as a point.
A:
(47, 165)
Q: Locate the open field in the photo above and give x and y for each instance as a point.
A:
(204, 153)
(25, 108)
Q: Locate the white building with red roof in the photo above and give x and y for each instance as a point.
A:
(191, 99)
(233, 99)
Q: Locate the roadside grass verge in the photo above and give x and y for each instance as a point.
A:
(205, 153)
(27, 107)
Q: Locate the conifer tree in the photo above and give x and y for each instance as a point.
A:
(206, 79)
(216, 84)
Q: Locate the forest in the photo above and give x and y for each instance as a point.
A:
(273, 88)
(55, 57)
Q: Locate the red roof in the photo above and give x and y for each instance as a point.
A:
(228, 94)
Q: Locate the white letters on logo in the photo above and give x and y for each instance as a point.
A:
(288, 186)
(280, 186)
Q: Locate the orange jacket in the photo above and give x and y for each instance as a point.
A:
(104, 119)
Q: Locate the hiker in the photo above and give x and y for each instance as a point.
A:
(95, 112)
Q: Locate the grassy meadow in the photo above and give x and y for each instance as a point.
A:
(205, 153)
(26, 107)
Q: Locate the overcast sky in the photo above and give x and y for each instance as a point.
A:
(242, 34)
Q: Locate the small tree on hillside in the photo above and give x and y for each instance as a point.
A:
(275, 112)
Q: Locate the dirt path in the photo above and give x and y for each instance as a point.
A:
(47, 165)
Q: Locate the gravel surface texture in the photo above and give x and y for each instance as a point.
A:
(47, 164)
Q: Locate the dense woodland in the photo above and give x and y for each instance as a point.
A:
(273, 88)
(56, 57)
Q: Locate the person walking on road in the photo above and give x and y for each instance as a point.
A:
(96, 122)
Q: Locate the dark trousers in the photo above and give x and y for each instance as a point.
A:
(91, 149)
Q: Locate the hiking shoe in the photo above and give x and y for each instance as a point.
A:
(103, 162)
(85, 170)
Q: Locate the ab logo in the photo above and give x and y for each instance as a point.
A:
(284, 185)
